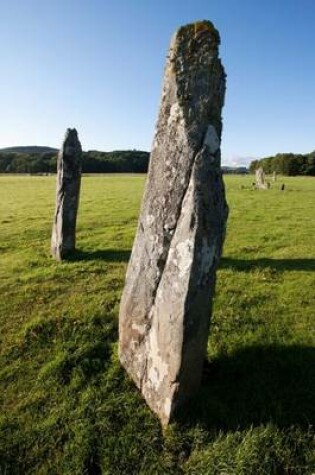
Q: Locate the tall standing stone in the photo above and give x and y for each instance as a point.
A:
(67, 197)
(166, 304)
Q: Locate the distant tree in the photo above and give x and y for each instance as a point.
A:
(310, 164)
(254, 164)
(288, 164)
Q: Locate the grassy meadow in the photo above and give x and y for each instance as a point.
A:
(66, 407)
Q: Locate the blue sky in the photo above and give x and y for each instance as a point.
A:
(97, 65)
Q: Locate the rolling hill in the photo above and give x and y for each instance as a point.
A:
(29, 149)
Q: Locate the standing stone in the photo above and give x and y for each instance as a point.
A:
(166, 304)
(260, 179)
(67, 197)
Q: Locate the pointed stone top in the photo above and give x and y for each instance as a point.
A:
(71, 134)
(71, 137)
(195, 41)
(71, 146)
(198, 29)
(194, 79)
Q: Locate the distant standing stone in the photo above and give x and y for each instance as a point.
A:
(260, 179)
(166, 304)
(67, 197)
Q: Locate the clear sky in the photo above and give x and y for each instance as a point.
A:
(97, 65)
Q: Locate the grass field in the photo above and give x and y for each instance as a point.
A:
(68, 408)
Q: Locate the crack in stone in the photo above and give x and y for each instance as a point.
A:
(145, 336)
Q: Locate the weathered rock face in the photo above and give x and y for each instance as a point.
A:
(67, 197)
(260, 179)
(166, 304)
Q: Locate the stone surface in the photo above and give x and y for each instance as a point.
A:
(67, 196)
(166, 304)
(260, 179)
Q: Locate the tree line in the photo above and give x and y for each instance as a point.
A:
(136, 161)
(125, 161)
(289, 164)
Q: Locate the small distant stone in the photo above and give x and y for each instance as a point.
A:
(261, 179)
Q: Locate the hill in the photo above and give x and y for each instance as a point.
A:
(29, 149)
(234, 170)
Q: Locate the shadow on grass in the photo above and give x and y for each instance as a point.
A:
(256, 385)
(263, 263)
(108, 255)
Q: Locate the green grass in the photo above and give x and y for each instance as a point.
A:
(66, 405)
